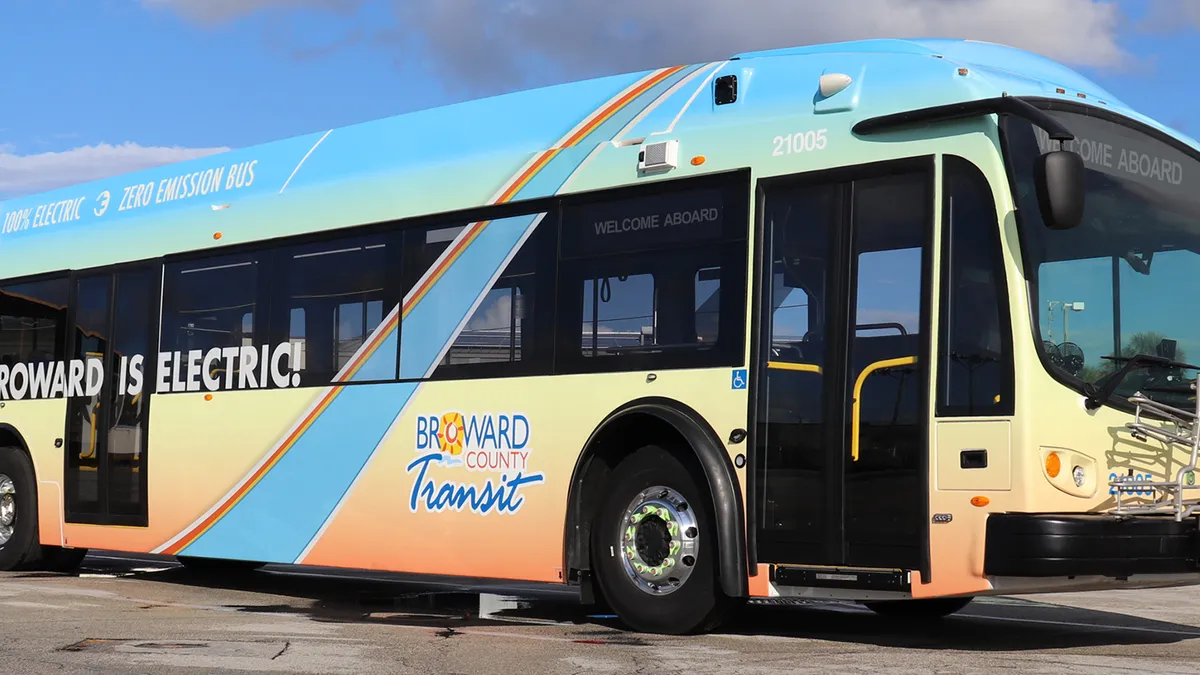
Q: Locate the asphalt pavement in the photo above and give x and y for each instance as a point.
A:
(148, 615)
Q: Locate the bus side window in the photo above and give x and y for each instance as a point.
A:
(975, 363)
(33, 321)
(504, 333)
(213, 303)
(640, 282)
(331, 296)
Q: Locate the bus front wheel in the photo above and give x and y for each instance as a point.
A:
(932, 608)
(654, 545)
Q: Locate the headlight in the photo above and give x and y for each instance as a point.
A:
(1078, 475)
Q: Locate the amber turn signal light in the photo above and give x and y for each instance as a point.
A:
(1053, 465)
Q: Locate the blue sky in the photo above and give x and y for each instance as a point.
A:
(107, 86)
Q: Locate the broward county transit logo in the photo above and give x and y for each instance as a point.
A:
(490, 443)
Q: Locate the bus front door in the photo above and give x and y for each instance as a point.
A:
(839, 446)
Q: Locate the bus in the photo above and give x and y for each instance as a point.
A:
(875, 322)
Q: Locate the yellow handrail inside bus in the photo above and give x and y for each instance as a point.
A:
(802, 367)
(858, 385)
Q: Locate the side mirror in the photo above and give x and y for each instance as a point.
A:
(1060, 188)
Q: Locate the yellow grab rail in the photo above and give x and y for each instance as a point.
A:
(858, 385)
(802, 367)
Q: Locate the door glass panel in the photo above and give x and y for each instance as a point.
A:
(883, 485)
(86, 404)
(792, 465)
(134, 321)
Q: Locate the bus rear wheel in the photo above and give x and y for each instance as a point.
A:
(931, 608)
(18, 511)
(654, 544)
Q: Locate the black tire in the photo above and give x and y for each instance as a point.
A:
(698, 604)
(21, 550)
(217, 565)
(932, 608)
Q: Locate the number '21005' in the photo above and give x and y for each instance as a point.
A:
(801, 141)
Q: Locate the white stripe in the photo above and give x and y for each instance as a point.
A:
(632, 124)
(246, 478)
(396, 421)
(509, 183)
(479, 300)
(567, 136)
(310, 151)
(663, 98)
(702, 87)
(312, 543)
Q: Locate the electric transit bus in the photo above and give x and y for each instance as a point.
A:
(896, 322)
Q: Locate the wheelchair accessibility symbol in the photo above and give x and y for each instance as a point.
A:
(739, 379)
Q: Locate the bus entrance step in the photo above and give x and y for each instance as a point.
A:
(841, 577)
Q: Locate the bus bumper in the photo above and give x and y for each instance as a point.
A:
(1088, 544)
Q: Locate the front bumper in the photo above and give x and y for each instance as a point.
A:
(1087, 544)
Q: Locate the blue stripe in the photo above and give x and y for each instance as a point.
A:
(432, 323)
(283, 513)
(275, 521)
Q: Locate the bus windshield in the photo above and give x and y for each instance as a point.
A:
(1126, 282)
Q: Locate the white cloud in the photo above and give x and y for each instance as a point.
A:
(484, 41)
(215, 11)
(489, 43)
(26, 174)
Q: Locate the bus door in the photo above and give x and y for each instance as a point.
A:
(840, 394)
(109, 378)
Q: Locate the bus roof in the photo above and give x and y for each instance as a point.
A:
(512, 147)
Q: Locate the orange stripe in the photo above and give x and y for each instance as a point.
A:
(432, 279)
(443, 266)
(378, 339)
(512, 190)
(256, 477)
(620, 103)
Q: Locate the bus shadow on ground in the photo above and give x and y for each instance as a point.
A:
(988, 625)
(1004, 625)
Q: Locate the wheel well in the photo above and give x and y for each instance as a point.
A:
(10, 438)
(679, 429)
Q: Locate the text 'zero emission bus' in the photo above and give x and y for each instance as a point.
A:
(902, 322)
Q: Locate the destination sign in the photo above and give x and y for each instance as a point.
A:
(646, 222)
(1121, 152)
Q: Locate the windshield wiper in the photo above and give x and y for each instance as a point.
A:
(1098, 397)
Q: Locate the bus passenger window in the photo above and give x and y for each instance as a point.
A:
(212, 303)
(332, 295)
(618, 314)
(641, 279)
(32, 321)
(708, 304)
(500, 337)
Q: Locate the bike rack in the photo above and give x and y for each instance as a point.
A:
(1168, 495)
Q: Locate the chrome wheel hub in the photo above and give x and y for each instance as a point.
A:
(659, 539)
(8, 508)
